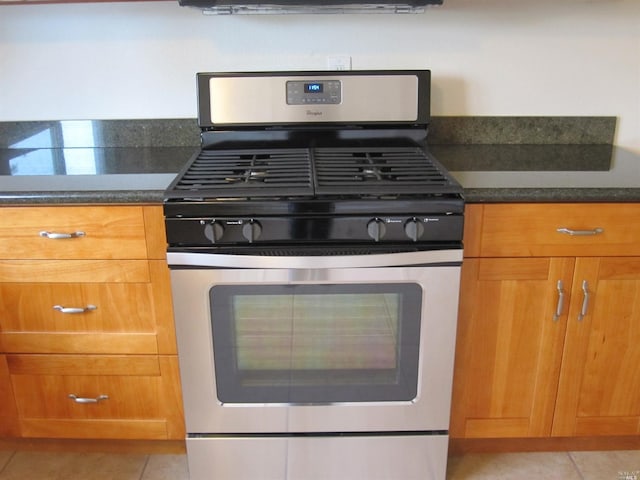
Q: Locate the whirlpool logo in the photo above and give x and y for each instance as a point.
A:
(314, 113)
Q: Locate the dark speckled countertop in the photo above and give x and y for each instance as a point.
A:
(496, 159)
(89, 175)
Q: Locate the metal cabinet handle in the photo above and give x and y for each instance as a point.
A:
(560, 305)
(585, 300)
(569, 231)
(57, 236)
(98, 399)
(62, 309)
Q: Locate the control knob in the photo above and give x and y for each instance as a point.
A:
(251, 230)
(213, 230)
(376, 229)
(414, 229)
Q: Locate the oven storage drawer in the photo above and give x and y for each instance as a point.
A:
(524, 230)
(107, 232)
(381, 457)
(89, 396)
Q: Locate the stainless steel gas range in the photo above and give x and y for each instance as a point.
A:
(315, 249)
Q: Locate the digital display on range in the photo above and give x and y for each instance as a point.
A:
(314, 92)
(313, 88)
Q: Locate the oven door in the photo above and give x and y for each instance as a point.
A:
(316, 344)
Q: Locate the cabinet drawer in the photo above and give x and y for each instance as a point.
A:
(96, 232)
(522, 230)
(95, 396)
(72, 307)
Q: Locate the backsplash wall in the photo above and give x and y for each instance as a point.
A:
(132, 60)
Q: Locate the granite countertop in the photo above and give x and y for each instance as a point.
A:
(89, 175)
(543, 173)
(494, 159)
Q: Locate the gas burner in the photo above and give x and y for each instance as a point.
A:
(380, 171)
(247, 176)
(247, 173)
(368, 173)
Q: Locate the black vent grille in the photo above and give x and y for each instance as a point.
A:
(404, 170)
(258, 172)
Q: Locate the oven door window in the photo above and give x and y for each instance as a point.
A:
(316, 343)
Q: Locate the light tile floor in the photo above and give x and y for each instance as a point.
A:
(614, 465)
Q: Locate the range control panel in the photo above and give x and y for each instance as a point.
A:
(273, 230)
(314, 92)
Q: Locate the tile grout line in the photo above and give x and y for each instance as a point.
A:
(575, 465)
(4, 467)
(144, 468)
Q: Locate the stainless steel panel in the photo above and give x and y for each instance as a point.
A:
(204, 412)
(391, 457)
(319, 263)
(263, 100)
(237, 458)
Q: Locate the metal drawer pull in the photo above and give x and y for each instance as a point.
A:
(585, 301)
(62, 309)
(568, 231)
(560, 305)
(57, 236)
(98, 399)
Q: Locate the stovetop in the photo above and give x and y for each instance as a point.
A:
(313, 196)
(286, 173)
(313, 158)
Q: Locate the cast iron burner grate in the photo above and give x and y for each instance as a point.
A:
(288, 172)
(258, 172)
(384, 170)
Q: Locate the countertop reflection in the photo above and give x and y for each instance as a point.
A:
(78, 175)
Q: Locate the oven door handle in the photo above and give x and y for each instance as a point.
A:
(402, 259)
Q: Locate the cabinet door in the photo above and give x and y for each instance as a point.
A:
(8, 413)
(509, 346)
(599, 389)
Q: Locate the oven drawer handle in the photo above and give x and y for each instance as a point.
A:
(62, 309)
(419, 258)
(560, 305)
(569, 231)
(98, 399)
(58, 236)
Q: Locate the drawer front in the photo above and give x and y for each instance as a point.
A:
(82, 232)
(96, 396)
(73, 307)
(523, 230)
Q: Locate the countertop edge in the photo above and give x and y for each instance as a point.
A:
(471, 195)
(76, 197)
(551, 195)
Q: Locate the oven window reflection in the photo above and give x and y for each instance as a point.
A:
(316, 343)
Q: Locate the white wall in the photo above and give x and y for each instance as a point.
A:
(488, 57)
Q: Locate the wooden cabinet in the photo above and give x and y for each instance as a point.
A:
(509, 347)
(599, 389)
(548, 327)
(105, 396)
(85, 311)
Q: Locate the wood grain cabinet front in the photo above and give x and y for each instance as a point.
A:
(89, 396)
(82, 232)
(548, 341)
(85, 308)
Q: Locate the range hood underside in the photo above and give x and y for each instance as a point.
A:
(227, 7)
